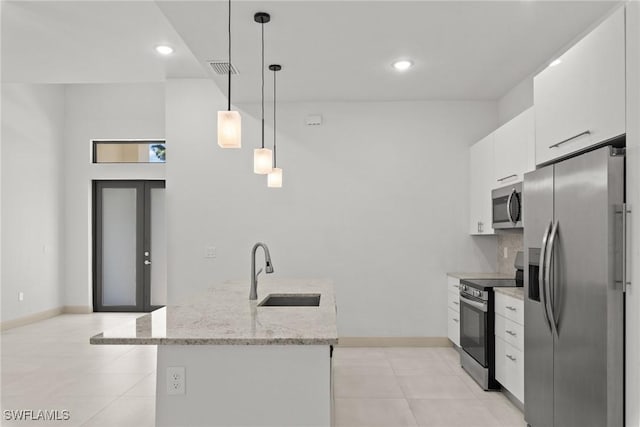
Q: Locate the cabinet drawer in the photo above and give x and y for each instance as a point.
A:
(453, 301)
(510, 368)
(453, 326)
(453, 284)
(509, 307)
(510, 331)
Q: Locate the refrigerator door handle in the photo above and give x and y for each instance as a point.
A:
(548, 257)
(624, 210)
(543, 249)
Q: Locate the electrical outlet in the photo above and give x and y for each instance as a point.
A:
(176, 380)
(20, 296)
(506, 252)
(210, 252)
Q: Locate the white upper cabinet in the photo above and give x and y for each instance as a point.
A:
(514, 149)
(481, 179)
(580, 101)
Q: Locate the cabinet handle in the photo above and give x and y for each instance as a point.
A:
(513, 334)
(455, 320)
(456, 286)
(511, 308)
(507, 177)
(456, 303)
(510, 357)
(557, 144)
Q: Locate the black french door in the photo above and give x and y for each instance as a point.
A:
(129, 247)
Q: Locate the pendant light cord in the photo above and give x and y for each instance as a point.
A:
(274, 118)
(262, 25)
(229, 65)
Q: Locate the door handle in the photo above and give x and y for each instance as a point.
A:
(624, 210)
(548, 256)
(507, 177)
(147, 262)
(541, 275)
(513, 334)
(509, 205)
(478, 305)
(557, 144)
(510, 357)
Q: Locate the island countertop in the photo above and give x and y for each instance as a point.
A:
(223, 315)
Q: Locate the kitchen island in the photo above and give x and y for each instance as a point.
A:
(244, 364)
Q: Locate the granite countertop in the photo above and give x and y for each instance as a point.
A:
(512, 292)
(223, 315)
(481, 275)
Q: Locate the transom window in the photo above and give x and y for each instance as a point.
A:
(130, 151)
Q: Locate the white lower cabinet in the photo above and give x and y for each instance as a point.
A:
(509, 346)
(453, 310)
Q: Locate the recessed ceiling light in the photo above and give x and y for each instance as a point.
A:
(402, 64)
(555, 62)
(164, 49)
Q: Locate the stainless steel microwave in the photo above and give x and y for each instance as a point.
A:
(507, 206)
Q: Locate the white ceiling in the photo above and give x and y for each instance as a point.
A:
(90, 42)
(329, 50)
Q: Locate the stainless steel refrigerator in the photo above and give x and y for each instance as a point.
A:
(574, 296)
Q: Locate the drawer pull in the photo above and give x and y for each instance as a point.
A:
(455, 320)
(456, 303)
(510, 357)
(513, 334)
(511, 308)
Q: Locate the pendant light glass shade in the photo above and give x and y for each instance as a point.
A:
(274, 179)
(262, 161)
(229, 123)
(229, 129)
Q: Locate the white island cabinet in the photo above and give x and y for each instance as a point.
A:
(239, 363)
(580, 98)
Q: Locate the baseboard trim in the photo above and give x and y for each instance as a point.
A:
(394, 342)
(77, 309)
(22, 321)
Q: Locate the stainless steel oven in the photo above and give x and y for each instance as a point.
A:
(474, 324)
(507, 206)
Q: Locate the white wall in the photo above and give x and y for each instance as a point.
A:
(633, 198)
(514, 102)
(376, 198)
(118, 111)
(32, 194)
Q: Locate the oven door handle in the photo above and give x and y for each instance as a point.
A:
(475, 304)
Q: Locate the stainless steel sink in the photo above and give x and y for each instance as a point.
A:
(291, 300)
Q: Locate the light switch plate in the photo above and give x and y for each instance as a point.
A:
(506, 252)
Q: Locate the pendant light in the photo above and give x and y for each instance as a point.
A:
(274, 179)
(229, 124)
(262, 161)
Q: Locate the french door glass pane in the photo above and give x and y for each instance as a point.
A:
(119, 246)
(158, 248)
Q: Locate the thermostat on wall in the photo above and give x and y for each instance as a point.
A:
(314, 120)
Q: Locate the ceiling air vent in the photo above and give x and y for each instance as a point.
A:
(222, 67)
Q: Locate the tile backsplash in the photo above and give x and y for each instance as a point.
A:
(513, 242)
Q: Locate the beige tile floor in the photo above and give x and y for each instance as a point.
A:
(51, 365)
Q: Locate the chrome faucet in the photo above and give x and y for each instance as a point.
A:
(253, 295)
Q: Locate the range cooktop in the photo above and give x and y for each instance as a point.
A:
(484, 284)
